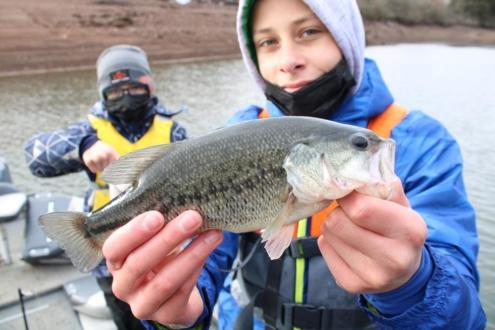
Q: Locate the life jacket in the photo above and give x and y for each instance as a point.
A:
(297, 291)
(159, 133)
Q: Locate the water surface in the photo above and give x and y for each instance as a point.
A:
(454, 85)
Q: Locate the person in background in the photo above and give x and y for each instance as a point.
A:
(128, 117)
(408, 262)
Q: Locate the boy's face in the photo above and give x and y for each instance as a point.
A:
(293, 46)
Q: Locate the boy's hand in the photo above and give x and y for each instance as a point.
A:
(99, 156)
(153, 272)
(372, 245)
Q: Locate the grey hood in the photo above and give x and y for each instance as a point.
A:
(341, 17)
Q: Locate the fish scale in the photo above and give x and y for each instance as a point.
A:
(236, 196)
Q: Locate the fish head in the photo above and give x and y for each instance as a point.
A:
(328, 167)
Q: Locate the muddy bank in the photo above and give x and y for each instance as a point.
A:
(55, 34)
(69, 34)
(383, 33)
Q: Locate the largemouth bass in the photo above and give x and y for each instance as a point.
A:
(263, 174)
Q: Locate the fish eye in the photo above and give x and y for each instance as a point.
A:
(360, 142)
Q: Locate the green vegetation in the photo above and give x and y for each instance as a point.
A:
(481, 11)
(406, 11)
(443, 12)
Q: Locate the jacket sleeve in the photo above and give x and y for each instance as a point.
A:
(50, 154)
(178, 133)
(429, 163)
(213, 275)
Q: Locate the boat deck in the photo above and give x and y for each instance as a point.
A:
(47, 305)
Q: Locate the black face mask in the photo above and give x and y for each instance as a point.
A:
(128, 107)
(320, 98)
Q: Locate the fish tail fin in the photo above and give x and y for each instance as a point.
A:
(68, 230)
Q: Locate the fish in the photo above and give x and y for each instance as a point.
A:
(256, 175)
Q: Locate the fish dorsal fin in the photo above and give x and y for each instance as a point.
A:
(127, 169)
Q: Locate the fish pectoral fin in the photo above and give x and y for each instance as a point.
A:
(278, 235)
(279, 241)
(127, 169)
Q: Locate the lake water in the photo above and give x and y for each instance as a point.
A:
(455, 85)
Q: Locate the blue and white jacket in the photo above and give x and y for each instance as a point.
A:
(50, 154)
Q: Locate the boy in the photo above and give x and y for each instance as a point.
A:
(128, 117)
(405, 262)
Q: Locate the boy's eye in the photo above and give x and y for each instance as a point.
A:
(309, 32)
(266, 42)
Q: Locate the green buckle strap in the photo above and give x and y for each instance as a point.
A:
(304, 247)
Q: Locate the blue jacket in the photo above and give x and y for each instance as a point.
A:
(443, 294)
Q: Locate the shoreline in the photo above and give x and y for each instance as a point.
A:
(228, 56)
(389, 32)
(68, 35)
(29, 72)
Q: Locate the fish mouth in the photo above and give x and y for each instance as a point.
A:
(382, 170)
(387, 161)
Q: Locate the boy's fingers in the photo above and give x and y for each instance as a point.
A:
(398, 195)
(384, 217)
(130, 236)
(177, 273)
(151, 253)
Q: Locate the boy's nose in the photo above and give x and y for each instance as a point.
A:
(291, 59)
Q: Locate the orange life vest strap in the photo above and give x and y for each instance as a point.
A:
(382, 125)
(318, 219)
(263, 114)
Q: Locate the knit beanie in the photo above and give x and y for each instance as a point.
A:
(341, 17)
(122, 63)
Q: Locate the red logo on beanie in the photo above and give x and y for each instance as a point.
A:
(119, 75)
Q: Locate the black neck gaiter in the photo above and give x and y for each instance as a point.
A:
(320, 98)
(128, 108)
